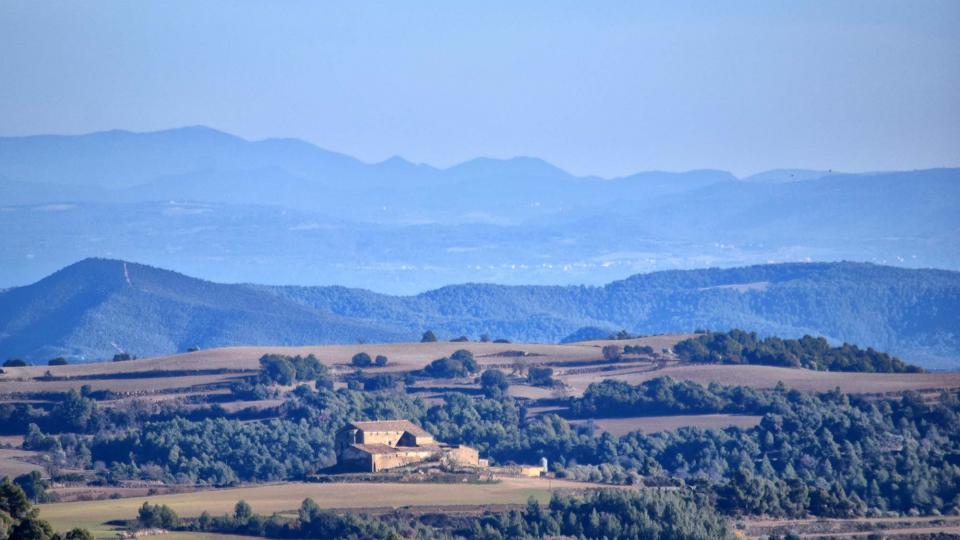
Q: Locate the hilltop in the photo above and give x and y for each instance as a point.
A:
(97, 307)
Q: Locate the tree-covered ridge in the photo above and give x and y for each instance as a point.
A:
(741, 347)
(80, 311)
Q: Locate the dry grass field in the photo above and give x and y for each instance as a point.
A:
(654, 424)
(268, 499)
(767, 377)
(14, 462)
(887, 527)
(577, 365)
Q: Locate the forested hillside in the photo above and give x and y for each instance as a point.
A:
(96, 308)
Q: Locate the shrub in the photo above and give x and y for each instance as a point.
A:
(428, 337)
(381, 360)
(494, 383)
(383, 381)
(361, 359)
(157, 516)
(540, 376)
(612, 352)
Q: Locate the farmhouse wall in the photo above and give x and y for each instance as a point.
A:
(409, 439)
(355, 459)
(389, 438)
(382, 462)
(464, 455)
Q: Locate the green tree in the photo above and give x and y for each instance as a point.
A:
(493, 383)
(428, 337)
(13, 501)
(33, 485)
(278, 369)
(75, 411)
(612, 352)
(466, 357)
(361, 359)
(540, 376)
(78, 534)
(32, 528)
(242, 511)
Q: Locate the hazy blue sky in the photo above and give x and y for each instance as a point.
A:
(595, 87)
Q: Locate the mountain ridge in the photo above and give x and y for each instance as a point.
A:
(95, 307)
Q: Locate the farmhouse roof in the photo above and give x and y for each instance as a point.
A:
(391, 425)
(376, 448)
(380, 448)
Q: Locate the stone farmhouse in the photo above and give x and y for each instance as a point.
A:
(387, 444)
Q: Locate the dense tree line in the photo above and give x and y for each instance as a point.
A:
(459, 364)
(665, 396)
(311, 522)
(741, 347)
(601, 514)
(286, 370)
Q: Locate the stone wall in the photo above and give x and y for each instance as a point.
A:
(382, 462)
(389, 438)
(463, 455)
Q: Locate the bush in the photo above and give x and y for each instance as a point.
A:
(33, 486)
(14, 362)
(157, 516)
(428, 337)
(379, 382)
(540, 376)
(466, 357)
(277, 369)
(123, 357)
(285, 370)
(494, 383)
(612, 352)
(361, 359)
(381, 360)
(78, 534)
(637, 349)
(59, 361)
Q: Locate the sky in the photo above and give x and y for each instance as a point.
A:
(606, 88)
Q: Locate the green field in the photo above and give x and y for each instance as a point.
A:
(268, 499)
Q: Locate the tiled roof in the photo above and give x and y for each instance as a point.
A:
(379, 448)
(391, 425)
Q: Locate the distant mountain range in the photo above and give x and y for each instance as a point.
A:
(94, 308)
(283, 211)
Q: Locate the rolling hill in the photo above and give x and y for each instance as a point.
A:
(96, 307)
